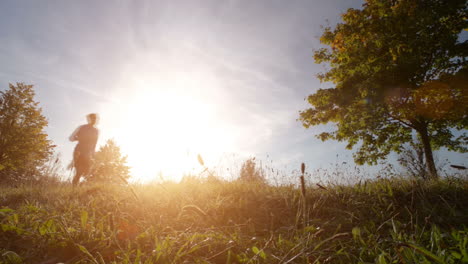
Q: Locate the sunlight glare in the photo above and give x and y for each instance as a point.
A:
(167, 121)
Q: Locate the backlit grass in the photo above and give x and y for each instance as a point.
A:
(199, 221)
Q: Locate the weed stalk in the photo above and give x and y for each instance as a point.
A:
(304, 199)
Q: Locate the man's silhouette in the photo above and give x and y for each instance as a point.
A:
(87, 136)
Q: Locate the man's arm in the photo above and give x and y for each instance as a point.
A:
(74, 135)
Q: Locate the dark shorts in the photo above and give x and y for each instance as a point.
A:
(82, 163)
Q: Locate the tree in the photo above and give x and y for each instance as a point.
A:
(412, 160)
(109, 164)
(397, 67)
(24, 146)
(250, 173)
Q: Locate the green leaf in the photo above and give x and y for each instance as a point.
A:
(356, 232)
(15, 218)
(255, 250)
(427, 253)
(456, 255)
(47, 227)
(6, 227)
(43, 230)
(464, 248)
(259, 252)
(5, 210)
(137, 258)
(381, 259)
(84, 250)
(12, 257)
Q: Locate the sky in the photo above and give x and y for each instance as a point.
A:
(172, 79)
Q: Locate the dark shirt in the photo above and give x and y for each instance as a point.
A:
(87, 136)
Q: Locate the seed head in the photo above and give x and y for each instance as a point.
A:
(200, 160)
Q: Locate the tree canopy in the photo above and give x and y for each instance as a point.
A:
(398, 67)
(24, 145)
(251, 172)
(109, 164)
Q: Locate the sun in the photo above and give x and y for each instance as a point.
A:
(163, 122)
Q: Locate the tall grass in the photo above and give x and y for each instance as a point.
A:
(207, 221)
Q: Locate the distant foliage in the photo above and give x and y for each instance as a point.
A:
(250, 172)
(397, 67)
(52, 170)
(110, 165)
(24, 146)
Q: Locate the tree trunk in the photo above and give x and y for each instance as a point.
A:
(428, 152)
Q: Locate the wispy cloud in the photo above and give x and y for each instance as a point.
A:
(251, 59)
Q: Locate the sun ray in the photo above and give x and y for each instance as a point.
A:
(166, 121)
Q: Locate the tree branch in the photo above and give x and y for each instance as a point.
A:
(401, 121)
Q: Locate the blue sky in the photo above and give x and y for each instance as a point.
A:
(230, 75)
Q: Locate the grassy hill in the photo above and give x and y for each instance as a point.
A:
(196, 221)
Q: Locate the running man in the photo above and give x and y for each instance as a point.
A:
(87, 136)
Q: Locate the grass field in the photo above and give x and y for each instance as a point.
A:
(197, 221)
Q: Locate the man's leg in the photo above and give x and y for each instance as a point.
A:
(78, 174)
(77, 160)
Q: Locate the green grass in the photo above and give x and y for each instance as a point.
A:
(383, 221)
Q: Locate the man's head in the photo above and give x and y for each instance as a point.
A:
(92, 118)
